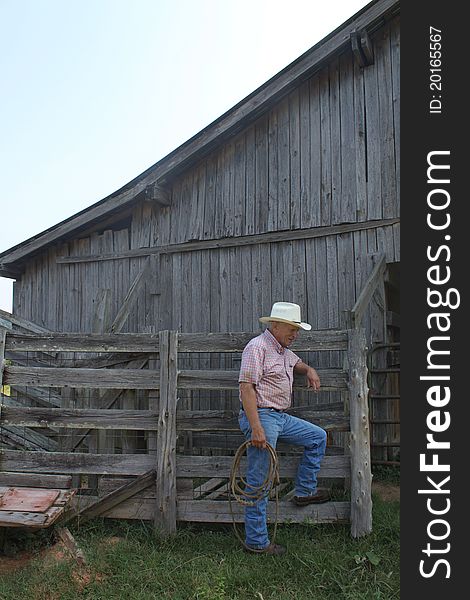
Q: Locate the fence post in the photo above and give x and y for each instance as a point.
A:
(3, 334)
(165, 510)
(361, 476)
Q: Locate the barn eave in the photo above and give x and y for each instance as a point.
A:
(154, 183)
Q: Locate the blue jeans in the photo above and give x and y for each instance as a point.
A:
(292, 430)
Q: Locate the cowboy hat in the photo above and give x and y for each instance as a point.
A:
(286, 312)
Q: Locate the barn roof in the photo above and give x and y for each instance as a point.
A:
(151, 183)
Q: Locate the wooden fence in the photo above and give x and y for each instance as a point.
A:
(188, 487)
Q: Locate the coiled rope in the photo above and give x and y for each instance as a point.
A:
(247, 495)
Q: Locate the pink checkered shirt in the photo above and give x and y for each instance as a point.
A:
(270, 367)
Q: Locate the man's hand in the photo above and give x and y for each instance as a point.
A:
(258, 437)
(313, 380)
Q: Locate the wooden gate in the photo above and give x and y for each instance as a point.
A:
(157, 482)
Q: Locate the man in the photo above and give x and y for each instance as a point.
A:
(266, 377)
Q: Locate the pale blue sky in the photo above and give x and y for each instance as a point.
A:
(93, 92)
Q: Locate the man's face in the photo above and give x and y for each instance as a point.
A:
(284, 333)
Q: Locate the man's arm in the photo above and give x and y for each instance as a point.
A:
(248, 396)
(312, 376)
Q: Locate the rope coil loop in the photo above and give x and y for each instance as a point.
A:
(247, 495)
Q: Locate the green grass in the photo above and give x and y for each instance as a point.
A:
(386, 474)
(201, 563)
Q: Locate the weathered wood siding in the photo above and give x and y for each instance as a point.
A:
(326, 154)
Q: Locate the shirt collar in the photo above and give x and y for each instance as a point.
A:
(272, 340)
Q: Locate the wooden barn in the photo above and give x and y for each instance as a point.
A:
(293, 195)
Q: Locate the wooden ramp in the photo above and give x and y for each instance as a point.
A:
(32, 508)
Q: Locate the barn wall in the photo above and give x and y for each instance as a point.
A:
(326, 154)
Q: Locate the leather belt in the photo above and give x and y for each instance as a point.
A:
(279, 410)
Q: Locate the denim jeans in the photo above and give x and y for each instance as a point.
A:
(292, 430)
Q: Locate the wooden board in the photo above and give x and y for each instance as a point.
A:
(32, 508)
(148, 342)
(218, 511)
(213, 511)
(137, 464)
(37, 480)
(27, 499)
(82, 378)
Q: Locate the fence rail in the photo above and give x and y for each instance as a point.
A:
(321, 340)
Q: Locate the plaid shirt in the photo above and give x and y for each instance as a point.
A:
(269, 366)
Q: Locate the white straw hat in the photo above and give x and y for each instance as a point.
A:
(286, 312)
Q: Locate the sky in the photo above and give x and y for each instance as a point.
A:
(93, 92)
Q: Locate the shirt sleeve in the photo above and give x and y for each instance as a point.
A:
(295, 359)
(251, 369)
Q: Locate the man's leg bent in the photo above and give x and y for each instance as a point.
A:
(313, 438)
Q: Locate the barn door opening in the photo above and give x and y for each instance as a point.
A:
(384, 378)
